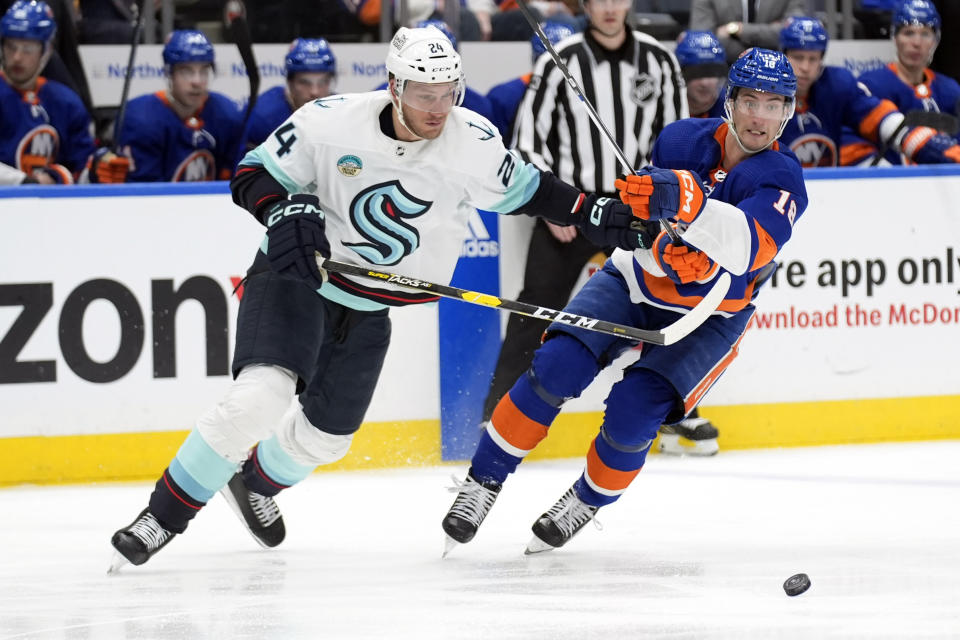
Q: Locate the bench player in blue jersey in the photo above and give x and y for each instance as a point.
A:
(829, 98)
(311, 70)
(911, 85)
(185, 133)
(735, 195)
(44, 127)
(703, 62)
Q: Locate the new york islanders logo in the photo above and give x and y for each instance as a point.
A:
(38, 148)
(378, 213)
(199, 166)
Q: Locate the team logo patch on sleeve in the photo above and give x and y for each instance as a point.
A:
(350, 166)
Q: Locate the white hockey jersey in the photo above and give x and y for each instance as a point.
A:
(399, 206)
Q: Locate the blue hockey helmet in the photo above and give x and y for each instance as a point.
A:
(29, 20)
(700, 55)
(918, 13)
(803, 33)
(310, 54)
(444, 28)
(555, 32)
(187, 45)
(762, 70)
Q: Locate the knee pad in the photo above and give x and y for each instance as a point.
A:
(636, 407)
(309, 446)
(252, 408)
(563, 367)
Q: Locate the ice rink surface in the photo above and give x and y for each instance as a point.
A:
(698, 548)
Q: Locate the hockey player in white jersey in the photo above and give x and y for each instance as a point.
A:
(384, 178)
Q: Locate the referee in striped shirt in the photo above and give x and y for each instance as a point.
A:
(636, 86)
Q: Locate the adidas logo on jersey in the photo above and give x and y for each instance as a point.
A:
(479, 244)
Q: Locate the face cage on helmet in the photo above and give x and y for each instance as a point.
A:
(728, 117)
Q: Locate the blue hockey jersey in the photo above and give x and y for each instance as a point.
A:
(769, 196)
(164, 148)
(47, 126)
(937, 92)
(270, 111)
(835, 100)
(504, 100)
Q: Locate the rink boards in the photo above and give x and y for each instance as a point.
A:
(117, 311)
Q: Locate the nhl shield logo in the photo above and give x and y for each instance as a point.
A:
(350, 166)
(644, 88)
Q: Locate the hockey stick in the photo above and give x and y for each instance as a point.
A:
(235, 15)
(127, 77)
(666, 336)
(594, 116)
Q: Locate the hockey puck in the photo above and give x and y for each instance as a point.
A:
(795, 585)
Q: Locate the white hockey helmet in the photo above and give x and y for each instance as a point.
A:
(424, 55)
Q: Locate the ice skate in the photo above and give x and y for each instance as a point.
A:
(560, 523)
(259, 514)
(693, 437)
(472, 504)
(139, 541)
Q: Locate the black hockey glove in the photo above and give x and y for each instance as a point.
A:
(607, 222)
(295, 234)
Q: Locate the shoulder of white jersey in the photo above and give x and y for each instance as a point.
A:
(341, 113)
(472, 125)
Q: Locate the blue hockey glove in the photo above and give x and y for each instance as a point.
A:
(924, 145)
(607, 222)
(655, 194)
(295, 234)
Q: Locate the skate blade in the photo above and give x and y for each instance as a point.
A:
(116, 563)
(231, 501)
(678, 446)
(449, 545)
(536, 545)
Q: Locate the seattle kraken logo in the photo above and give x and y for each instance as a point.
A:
(377, 213)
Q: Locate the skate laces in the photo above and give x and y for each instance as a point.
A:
(264, 507)
(149, 531)
(570, 513)
(473, 501)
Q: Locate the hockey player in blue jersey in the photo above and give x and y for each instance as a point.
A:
(735, 196)
(505, 97)
(829, 98)
(311, 70)
(378, 179)
(703, 62)
(185, 133)
(45, 132)
(911, 85)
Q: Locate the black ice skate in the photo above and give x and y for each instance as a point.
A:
(472, 504)
(260, 514)
(693, 437)
(139, 541)
(560, 523)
